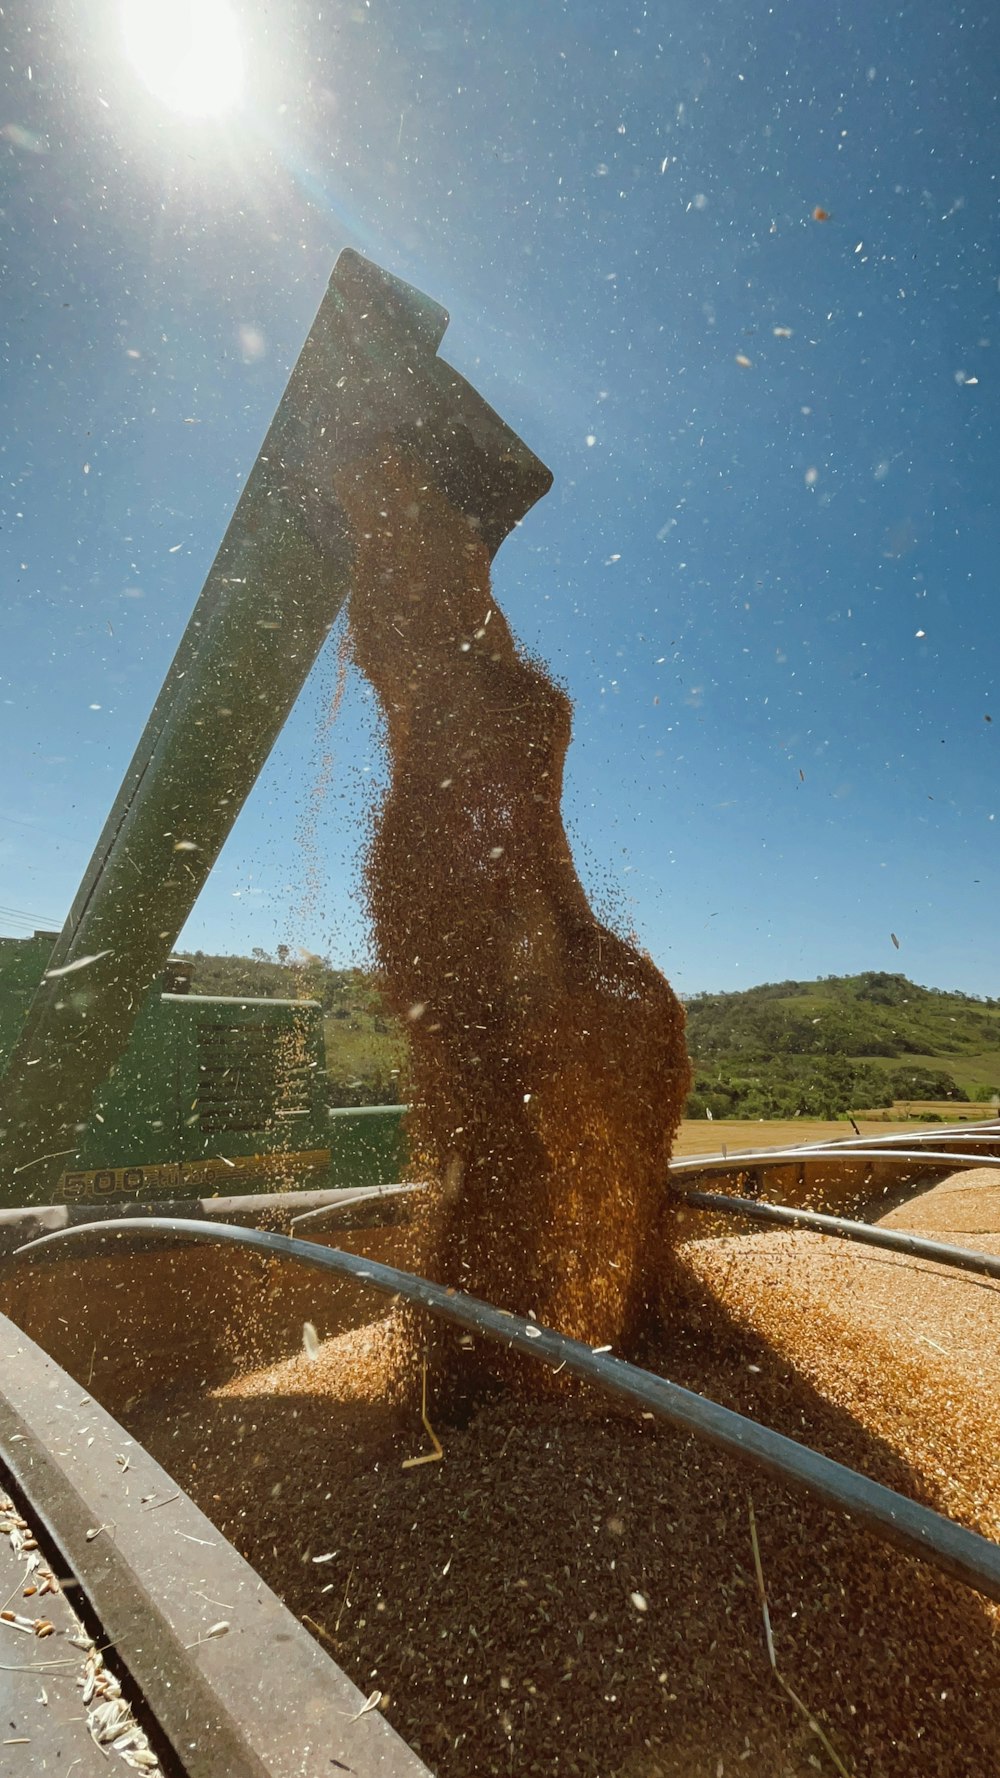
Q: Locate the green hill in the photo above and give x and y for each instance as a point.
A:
(813, 1049)
(826, 1047)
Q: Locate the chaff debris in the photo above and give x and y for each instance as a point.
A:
(436, 1455)
(108, 1715)
(803, 1709)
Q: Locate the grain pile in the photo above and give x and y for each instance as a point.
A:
(548, 1065)
(571, 1590)
(911, 1349)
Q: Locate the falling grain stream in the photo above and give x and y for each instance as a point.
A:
(548, 1067)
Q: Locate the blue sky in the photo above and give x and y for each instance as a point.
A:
(769, 587)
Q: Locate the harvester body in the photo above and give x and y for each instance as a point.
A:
(213, 1096)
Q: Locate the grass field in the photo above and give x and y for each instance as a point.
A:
(357, 1050)
(968, 1071)
(704, 1136)
(699, 1136)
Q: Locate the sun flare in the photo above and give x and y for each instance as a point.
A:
(187, 52)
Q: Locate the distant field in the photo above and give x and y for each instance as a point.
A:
(701, 1136)
(948, 1111)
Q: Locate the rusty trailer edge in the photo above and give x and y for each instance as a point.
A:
(260, 1700)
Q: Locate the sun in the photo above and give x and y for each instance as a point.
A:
(187, 52)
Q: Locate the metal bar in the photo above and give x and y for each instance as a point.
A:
(959, 1553)
(852, 1144)
(368, 1206)
(719, 1163)
(359, 1206)
(980, 1130)
(818, 1223)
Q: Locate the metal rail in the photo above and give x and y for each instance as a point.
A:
(777, 1157)
(961, 1554)
(980, 1130)
(819, 1223)
(356, 1207)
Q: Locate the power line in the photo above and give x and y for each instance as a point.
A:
(21, 917)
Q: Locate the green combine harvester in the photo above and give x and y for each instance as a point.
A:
(117, 1085)
(213, 1095)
